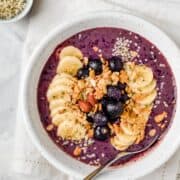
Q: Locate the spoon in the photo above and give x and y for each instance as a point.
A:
(97, 171)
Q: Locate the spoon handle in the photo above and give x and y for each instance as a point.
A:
(101, 168)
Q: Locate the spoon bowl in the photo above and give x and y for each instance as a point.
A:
(97, 171)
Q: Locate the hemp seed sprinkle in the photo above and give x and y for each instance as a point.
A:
(122, 48)
(11, 8)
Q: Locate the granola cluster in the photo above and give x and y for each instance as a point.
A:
(97, 84)
(101, 99)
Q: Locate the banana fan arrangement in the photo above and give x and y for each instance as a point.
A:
(142, 90)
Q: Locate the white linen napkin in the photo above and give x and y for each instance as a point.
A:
(46, 15)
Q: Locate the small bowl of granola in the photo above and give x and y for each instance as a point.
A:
(14, 10)
(102, 84)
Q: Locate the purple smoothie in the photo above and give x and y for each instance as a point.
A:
(98, 152)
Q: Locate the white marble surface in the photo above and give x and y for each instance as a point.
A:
(12, 38)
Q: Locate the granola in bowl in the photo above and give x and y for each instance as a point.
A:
(102, 91)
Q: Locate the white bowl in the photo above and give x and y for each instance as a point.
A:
(152, 160)
(21, 15)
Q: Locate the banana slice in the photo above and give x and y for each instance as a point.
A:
(141, 77)
(57, 102)
(118, 146)
(128, 129)
(58, 110)
(58, 92)
(145, 99)
(125, 139)
(122, 141)
(129, 68)
(67, 76)
(66, 116)
(69, 65)
(147, 89)
(57, 119)
(71, 130)
(71, 51)
(61, 81)
(142, 110)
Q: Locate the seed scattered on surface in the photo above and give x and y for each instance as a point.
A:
(152, 132)
(165, 104)
(162, 65)
(103, 155)
(50, 127)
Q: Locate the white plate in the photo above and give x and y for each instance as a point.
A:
(49, 150)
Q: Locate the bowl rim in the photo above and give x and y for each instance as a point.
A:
(21, 15)
(39, 48)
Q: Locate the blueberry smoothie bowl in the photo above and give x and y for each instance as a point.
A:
(99, 85)
(103, 91)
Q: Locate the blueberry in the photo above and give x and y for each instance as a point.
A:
(124, 98)
(101, 132)
(100, 119)
(121, 86)
(114, 92)
(96, 65)
(90, 118)
(82, 73)
(104, 101)
(115, 64)
(114, 120)
(113, 109)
